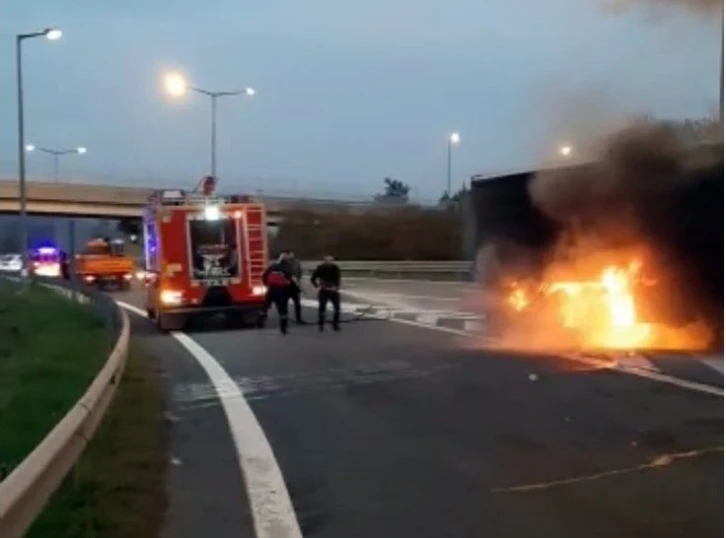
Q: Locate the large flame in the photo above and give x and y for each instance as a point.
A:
(602, 312)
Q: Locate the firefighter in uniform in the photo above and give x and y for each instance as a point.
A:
(294, 290)
(326, 279)
(277, 279)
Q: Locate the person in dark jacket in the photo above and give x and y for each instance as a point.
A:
(277, 279)
(326, 279)
(294, 290)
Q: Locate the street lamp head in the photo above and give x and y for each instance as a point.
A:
(175, 84)
(29, 147)
(81, 150)
(566, 151)
(454, 138)
(249, 92)
(53, 33)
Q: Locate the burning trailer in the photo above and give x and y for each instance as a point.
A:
(625, 252)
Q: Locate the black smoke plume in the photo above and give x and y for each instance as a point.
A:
(647, 188)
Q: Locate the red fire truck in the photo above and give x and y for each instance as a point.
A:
(205, 255)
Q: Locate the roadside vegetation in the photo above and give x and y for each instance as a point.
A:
(50, 351)
(117, 487)
(389, 227)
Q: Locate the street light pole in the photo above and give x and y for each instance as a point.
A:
(454, 139)
(213, 96)
(176, 85)
(720, 95)
(448, 170)
(57, 154)
(53, 34)
(213, 149)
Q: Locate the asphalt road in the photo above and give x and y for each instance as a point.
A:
(397, 430)
(412, 294)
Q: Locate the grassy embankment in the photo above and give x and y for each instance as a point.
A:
(50, 350)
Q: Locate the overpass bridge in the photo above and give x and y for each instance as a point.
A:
(115, 201)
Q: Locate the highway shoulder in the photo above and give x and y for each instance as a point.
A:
(205, 491)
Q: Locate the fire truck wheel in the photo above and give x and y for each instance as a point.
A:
(235, 319)
(170, 322)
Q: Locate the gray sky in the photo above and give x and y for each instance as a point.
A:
(348, 93)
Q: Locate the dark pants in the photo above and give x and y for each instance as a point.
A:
(293, 291)
(277, 295)
(325, 295)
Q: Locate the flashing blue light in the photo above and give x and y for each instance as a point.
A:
(47, 251)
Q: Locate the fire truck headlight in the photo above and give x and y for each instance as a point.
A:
(259, 290)
(170, 297)
(211, 212)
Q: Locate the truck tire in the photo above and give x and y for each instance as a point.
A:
(235, 319)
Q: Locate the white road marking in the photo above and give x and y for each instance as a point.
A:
(636, 361)
(716, 364)
(657, 462)
(272, 510)
(389, 295)
(456, 283)
(590, 361)
(400, 302)
(473, 326)
(427, 318)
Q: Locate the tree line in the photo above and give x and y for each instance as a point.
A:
(388, 228)
(406, 233)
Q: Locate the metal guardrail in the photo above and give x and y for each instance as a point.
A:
(26, 490)
(459, 269)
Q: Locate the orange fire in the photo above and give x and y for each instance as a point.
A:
(602, 312)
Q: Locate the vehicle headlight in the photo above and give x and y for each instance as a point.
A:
(170, 296)
(140, 275)
(259, 290)
(211, 212)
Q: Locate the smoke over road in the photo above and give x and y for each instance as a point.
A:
(638, 229)
(664, 7)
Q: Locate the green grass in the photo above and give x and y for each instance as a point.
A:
(50, 350)
(117, 487)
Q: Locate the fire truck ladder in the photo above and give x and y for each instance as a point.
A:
(256, 251)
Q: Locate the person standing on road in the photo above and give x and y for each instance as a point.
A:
(277, 279)
(295, 289)
(326, 279)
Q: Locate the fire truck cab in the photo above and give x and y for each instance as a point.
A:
(205, 255)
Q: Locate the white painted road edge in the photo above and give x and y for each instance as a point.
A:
(590, 361)
(272, 510)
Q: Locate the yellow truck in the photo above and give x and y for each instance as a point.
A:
(103, 263)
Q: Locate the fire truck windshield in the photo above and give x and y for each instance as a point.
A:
(213, 246)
